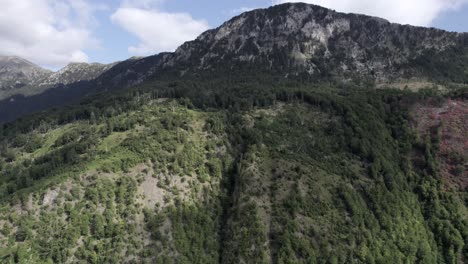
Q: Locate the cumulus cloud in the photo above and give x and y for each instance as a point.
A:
(156, 30)
(414, 12)
(142, 3)
(242, 10)
(47, 32)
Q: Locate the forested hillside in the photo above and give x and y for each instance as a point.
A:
(257, 169)
(293, 134)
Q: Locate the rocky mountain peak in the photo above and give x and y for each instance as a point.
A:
(77, 71)
(16, 72)
(297, 37)
(15, 62)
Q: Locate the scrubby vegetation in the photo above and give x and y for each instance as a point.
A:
(253, 170)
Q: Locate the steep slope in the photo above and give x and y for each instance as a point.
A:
(131, 72)
(447, 122)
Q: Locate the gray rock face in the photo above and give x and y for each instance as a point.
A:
(16, 72)
(19, 76)
(302, 37)
(75, 72)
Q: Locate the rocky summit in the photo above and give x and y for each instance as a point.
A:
(300, 38)
(16, 73)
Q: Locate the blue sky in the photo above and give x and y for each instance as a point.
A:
(57, 32)
(116, 40)
(453, 21)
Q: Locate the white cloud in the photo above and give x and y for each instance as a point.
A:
(242, 10)
(415, 12)
(142, 3)
(157, 31)
(48, 32)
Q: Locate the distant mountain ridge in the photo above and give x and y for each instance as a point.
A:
(19, 76)
(75, 72)
(16, 72)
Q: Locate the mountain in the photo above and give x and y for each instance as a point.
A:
(76, 72)
(218, 154)
(290, 39)
(298, 38)
(21, 77)
(16, 72)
